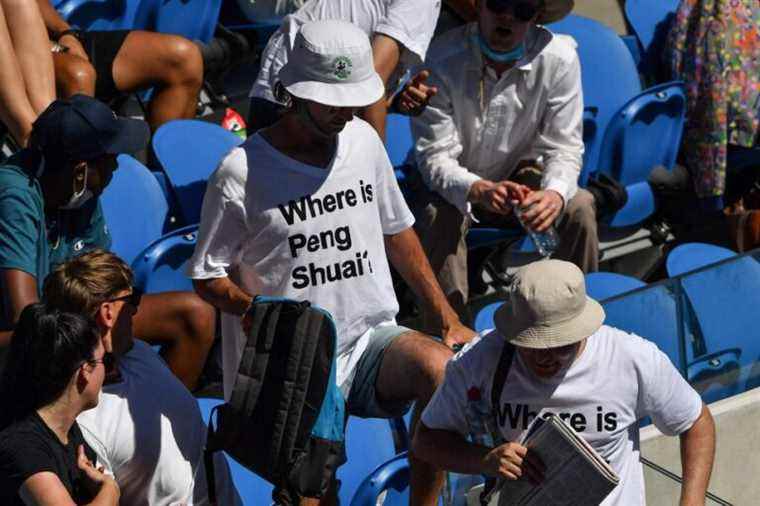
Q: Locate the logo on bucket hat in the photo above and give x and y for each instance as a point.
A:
(342, 67)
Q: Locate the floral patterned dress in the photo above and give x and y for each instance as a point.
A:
(714, 46)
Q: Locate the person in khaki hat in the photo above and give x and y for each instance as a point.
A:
(504, 129)
(598, 379)
(309, 209)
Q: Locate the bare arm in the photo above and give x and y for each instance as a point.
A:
(223, 294)
(405, 253)
(54, 23)
(385, 53)
(46, 489)
(697, 454)
(19, 289)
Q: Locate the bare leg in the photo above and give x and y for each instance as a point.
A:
(30, 40)
(15, 110)
(73, 75)
(172, 64)
(184, 324)
(412, 368)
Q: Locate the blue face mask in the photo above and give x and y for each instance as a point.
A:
(499, 56)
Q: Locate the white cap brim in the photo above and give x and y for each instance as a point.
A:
(352, 94)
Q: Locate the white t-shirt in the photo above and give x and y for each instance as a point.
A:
(147, 430)
(410, 22)
(619, 379)
(279, 227)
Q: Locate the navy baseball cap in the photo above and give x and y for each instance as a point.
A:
(83, 128)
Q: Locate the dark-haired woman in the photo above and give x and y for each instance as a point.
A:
(55, 369)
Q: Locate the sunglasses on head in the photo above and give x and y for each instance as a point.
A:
(522, 10)
(132, 299)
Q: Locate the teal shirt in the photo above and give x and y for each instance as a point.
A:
(34, 243)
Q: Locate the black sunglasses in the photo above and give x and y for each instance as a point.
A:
(108, 361)
(132, 299)
(522, 10)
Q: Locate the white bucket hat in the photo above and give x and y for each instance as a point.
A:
(331, 64)
(548, 307)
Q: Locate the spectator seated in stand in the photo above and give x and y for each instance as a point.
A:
(310, 209)
(504, 127)
(50, 212)
(110, 64)
(400, 31)
(560, 358)
(56, 367)
(27, 83)
(150, 438)
(713, 47)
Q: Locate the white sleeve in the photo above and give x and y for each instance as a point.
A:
(222, 228)
(411, 23)
(665, 395)
(437, 147)
(98, 446)
(560, 137)
(395, 215)
(446, 409)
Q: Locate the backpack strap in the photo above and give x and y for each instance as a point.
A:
(208, 459)
(497, 387)
(501, 373)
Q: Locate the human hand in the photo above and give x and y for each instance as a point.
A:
(457, 335)
(415, 96)
(95, 477)
(75, 47)
(541, 209)
(513, 461)
(497, 197)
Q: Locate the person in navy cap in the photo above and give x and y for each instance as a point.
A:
(50, 212)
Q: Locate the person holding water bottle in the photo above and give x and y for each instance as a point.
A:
(503, 133)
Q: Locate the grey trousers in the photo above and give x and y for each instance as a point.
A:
(442, 230)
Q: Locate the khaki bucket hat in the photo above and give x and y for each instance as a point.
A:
(548, 307)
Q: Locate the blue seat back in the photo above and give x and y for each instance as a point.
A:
(161, 266)
(98, 14)
(651, 21)
(398, 138)
(391, 477)
(694, 255)
(135, 208)
(194, 19)
(369, 443)
(644, 133)
(253, 490)
(603, 285)
(189, 151)
(608, 72)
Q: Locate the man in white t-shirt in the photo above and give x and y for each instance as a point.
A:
(598, 379)
(400, 31)
(309, 209)
(147, 429)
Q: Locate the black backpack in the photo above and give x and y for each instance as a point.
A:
(285, 419)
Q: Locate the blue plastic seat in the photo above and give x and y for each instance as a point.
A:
(161, 266)
(391, 477)
(189, 151)
(99, 14)
(193, 19)
(135, 208)
(483, 320)
(398, 138)
(603, 285)
(253, 490)
(369, 443)
(695, 255)
(651, 21)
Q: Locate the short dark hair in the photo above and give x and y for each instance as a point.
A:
(47, 347)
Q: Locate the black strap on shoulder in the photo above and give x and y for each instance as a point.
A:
(501, 373)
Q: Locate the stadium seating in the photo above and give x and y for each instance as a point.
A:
(161, 266)
(135, 208)
(98, 14)
(650, 21)
(392, 477)
(695, 255)
(194, 19)
(189, 151)
(604, 285)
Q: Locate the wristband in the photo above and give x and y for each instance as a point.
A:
(76, 32)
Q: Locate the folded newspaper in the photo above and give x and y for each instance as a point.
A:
(575, 474)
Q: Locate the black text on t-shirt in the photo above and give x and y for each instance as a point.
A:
(519, 417)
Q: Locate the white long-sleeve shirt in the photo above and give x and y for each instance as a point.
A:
(479, 126)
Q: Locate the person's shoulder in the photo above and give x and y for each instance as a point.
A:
(23, 437)
(623, 345)
(553, 47)
(359, 131)
(449, 46)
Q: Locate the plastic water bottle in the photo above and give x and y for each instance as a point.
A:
(546, 242)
